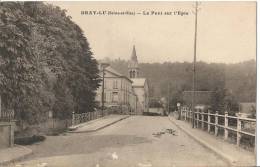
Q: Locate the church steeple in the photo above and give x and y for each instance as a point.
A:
(134, 57)
(133, 68)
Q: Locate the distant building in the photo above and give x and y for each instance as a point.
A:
(140, 85)
(118, 91)
(247, 108)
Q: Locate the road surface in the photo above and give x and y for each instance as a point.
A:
(138, 141)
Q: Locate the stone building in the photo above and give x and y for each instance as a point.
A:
(140, 85)
(118, 91)
(129, 93)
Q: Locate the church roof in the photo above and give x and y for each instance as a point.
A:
(138, 81)
(133, 63)
(133, 56)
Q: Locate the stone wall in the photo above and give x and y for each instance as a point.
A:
(25, 130)
(6, 134)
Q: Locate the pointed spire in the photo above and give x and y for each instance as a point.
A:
(133, 56)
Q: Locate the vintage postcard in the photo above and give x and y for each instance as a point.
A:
(127, 84)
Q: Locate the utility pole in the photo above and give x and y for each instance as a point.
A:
(103, 66)
(194, 66)
(168, 98)
(103, 88)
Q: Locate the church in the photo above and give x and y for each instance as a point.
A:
(129, 93)
(139, 84)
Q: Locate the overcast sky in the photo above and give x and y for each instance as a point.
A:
(226, 30)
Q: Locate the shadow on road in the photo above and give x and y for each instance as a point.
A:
(82, 144)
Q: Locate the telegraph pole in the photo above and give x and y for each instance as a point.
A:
(194, 66)
(168, 98)
(103, 66)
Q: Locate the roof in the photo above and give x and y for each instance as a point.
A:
(133, 56)
(138, 81)
(133, 63)
(110, 69)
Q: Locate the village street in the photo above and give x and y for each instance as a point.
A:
(135, 141)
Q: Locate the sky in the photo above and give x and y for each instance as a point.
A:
(226, 30)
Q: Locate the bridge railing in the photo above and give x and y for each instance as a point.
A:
(228, 124)
(7, 115)
(88, 116)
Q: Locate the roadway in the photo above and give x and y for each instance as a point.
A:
(141, 141)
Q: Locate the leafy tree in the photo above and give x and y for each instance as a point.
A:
(46, 62)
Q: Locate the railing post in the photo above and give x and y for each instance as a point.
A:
(190, 116)
(73, 118)
(238, 129)
(255, 149)
(226, 126)
(208, 120)
(185, 115)
(202, 120)
(12, 124)
(190, 112)
(198, 117)
(216, 123)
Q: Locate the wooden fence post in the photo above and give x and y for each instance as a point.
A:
(190, 116)
(198, 117)
(255, 149)
(185, 115)
(208, 121)
(216, 123)
(202, 120)
(238, 129)
(226, 126)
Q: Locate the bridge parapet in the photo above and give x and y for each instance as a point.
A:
(229, 126)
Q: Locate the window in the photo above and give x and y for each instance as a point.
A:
(115, 97)
(115, 86)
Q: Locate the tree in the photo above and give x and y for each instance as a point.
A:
(46, 62)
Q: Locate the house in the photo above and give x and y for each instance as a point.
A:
(130, 93)
(140, 85)
(118, 91)
(247, 109)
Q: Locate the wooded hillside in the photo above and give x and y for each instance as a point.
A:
(238, 80)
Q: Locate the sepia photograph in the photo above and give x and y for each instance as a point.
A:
(128, 83)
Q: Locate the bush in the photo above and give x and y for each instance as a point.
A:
(29, 140)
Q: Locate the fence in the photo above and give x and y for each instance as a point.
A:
(84, 117)
(241, 126)
(7, 115)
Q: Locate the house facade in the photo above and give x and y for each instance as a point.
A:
(117, 91)
(130, 93)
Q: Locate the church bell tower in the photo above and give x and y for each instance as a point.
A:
(133, 69)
